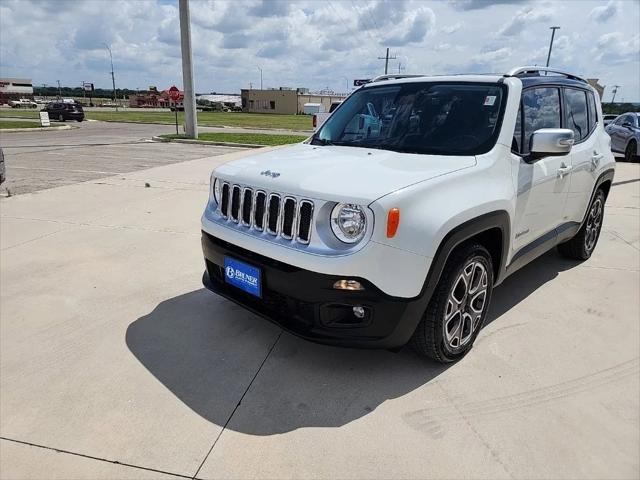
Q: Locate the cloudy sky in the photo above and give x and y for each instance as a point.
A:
(315, 44)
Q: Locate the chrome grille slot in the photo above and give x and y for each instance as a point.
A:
(247, 206)
(273, 214)
(235, 203)
(305, 217)
(288, 217)
(259, 210)
(224, 201)
(283, 217)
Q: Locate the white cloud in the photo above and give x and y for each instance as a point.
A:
(605, 12)
(309, 43)
(524, 18)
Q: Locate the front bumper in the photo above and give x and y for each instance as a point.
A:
(304, 302)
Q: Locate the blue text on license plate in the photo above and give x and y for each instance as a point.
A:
(244, 276)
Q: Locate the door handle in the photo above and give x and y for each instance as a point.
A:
(563, 170)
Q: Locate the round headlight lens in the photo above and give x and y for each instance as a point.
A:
(217, 190)
(348, 222)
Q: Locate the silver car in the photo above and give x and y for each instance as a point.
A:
(625, 135)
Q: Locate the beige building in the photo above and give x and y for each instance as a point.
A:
(284, 100)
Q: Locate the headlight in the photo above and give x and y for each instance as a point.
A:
(217, 190)
(348, 222)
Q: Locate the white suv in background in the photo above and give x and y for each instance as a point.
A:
(419, 195)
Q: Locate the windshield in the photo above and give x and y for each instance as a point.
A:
(429, 118)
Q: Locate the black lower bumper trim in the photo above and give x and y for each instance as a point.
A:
(306, 304)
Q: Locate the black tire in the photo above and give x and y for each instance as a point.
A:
(630, 152)
(582, 245)
(429, 339)
(79, 120)
(61, 118)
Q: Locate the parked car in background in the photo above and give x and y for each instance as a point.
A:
(608, 118)
(63, 111)
(379, 233)
(625, 135)
(3, 174)
(320, 118)
(23, 103)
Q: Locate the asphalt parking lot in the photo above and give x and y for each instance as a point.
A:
(116, 363)
(90, 150)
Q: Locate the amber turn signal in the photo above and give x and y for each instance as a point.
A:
(393, 221)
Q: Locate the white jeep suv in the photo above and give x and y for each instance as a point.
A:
(395, 227)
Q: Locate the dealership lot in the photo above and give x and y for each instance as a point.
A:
(115, 362)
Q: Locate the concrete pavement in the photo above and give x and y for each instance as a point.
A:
(111, 351)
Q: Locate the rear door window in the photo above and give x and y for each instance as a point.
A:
(576, 112)
(541, 110)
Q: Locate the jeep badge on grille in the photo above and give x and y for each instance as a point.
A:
(269, 173)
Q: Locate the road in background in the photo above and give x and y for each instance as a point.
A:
(39, 160)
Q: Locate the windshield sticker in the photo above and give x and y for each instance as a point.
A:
(489, 100)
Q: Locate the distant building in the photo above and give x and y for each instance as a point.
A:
(15, 88)
(226, 99)
(154, 99)
(284, 100)
(599, 88)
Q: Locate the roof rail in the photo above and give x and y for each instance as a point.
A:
(522, 71)
(391, 76)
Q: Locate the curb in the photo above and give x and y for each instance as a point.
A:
(36, 129)
(206, 142)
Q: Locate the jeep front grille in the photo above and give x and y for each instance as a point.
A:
(287, 217)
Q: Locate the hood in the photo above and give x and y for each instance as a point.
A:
(338, 173)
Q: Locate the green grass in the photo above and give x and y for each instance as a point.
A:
(211, 119)
(17, 124)
(18, 113)
(247, 120)
(251, 138)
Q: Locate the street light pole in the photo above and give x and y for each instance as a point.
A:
(113, 78)
(260, 68)
(553, 33)
(190, 119)
(59, 91)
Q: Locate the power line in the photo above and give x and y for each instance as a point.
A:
(386, 59)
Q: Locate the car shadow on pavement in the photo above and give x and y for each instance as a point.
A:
(207, 350)
(525, 281)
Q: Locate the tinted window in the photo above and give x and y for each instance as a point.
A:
(593, 115)
(516, 144)
(576, 106)
(541, 110)
(418, 117)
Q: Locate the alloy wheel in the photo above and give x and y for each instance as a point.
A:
(465, 304)
(594, 223)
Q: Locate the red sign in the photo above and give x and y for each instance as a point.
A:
(174, 93)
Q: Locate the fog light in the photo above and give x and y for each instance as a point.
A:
(348, 285)
(358, 312)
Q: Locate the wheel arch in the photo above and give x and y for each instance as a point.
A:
(492, 230)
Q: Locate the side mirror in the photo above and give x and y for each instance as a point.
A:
(549, 142)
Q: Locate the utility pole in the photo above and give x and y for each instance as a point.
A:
(59, 91)
(113, 78)
(615, 90)
(400, 67)
(553, 33)
(259, 68)
(386, 59)
(190, 119)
